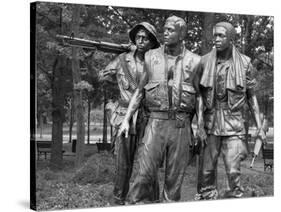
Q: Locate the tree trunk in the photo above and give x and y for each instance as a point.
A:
(89, 118)
(77, 92)
(242, 38)
(248, 35)
(57, 113)
(104, 137)
(207, 35)
(71, 118)
(41, 125)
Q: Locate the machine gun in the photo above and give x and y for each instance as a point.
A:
(95, 45)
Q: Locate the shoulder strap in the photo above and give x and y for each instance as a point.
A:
(127, 73)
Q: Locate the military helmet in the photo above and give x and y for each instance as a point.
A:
(151, 29)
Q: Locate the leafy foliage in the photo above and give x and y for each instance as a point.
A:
(112, 24)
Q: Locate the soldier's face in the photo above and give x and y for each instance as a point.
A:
(221, 38)
(171, 34)
(142, 40)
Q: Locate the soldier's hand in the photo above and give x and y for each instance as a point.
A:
(130, 46)
(105, 74)
(124, 129)
(201, 136)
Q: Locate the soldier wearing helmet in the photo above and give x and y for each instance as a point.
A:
(127, 70)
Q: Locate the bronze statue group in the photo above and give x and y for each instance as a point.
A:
(162, 87)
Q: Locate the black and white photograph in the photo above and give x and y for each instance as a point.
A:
(141, 105)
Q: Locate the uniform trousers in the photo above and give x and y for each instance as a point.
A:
(162, 137)
(234, 150)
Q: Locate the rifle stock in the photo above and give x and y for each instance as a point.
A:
(91, 44)
(257, 148)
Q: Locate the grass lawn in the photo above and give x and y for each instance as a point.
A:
(92, 184)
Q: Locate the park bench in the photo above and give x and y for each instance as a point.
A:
(100, 146)
(104, 147)
(267, 155)
(44, 147)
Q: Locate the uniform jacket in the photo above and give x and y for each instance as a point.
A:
(183, 90)
(126, 88)
(239, 86)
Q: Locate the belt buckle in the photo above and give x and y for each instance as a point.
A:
(180, 121)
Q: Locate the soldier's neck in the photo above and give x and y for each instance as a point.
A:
(139, 55)
(225, 54)
(174, 49)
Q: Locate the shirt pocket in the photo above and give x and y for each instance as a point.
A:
(236, 99)
(188, 96)
(151, 94)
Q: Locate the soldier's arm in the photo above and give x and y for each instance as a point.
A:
(254, 107)
(199, 110)
(201, 134)
(133, 105)
(109, 73)
(252, 100)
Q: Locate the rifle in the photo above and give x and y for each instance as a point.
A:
(99, 45)
(257, 148)
(259, 142)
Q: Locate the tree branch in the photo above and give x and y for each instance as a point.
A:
(121, 16)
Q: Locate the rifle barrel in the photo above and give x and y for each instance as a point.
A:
(90, 44)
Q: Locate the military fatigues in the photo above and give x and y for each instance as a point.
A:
(128, 69)
(170, 97)
(224, 100)
(125, 148)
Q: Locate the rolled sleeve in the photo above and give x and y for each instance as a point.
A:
(251, 82)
